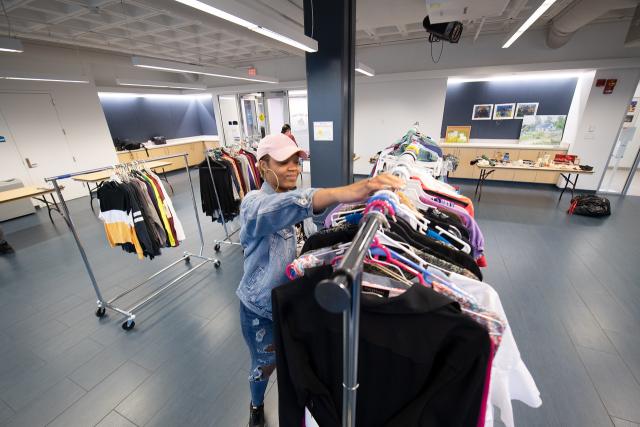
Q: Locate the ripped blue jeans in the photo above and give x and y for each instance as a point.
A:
(258, 333)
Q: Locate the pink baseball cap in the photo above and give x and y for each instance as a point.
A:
(280, 147)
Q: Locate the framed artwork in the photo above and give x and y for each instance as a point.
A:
(632, 106)
(482, 112)
(543, 130)
(526, 109)
(503, 111)
(458, 134)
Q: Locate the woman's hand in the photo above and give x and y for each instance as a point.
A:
(355, 192)
(365, 188)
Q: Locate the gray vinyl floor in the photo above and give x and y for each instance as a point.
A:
(570, 286)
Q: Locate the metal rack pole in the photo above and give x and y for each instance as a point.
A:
(102, 304)
(83, 254)
(341, 294)
(227, 239)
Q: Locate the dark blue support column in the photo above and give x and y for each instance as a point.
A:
(330, 86)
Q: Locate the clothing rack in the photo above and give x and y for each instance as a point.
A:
(227, 240)
(341, 294)
(186, 257)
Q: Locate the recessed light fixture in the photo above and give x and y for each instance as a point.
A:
(9, 44)
(43, 79)
(152, 95)
(363, 69)
(231, 10)
(178, 67)
(533, 18)
(168, 85)
(515, 77)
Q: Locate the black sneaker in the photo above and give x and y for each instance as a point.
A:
(6, 248)
(256, 416)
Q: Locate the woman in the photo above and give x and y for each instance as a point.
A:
(268, 236)
(286, 130)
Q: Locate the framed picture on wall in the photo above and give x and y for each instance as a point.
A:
(482, 112)
(504, 111)
(542, 130)
(526, 109)
(458, 134)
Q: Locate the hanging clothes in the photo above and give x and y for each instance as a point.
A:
(421, 362)
(223, 180)
(138, 214)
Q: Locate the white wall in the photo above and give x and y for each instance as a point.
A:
(77, 104)
(578, 104)
(384, 111)
(83, 120)
(601, 121)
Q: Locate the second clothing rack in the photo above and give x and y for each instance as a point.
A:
(110, 304)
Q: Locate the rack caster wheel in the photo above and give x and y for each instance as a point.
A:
(217, 247)
(187, 260)
(100, 312)
(128, 325)
(216, 263)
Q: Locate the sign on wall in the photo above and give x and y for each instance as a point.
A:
(323, 131)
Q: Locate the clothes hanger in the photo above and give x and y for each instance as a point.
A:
(397, 269)
(419, 221)
(337, 218)
(464, 246)
(389, 273)
(377, 249)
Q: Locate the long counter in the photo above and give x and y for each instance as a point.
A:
(194, 146)
(504, 146)
(468, 152)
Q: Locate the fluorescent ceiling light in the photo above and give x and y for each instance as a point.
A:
(150, 95)
(363, 69)
(8, 44)
(515, 77)
(44, 80)
(149, 83)
(178, 67)
(231, 10)
(546, 4)
(284, 39)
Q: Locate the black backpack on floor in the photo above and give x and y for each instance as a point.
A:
(590, 205)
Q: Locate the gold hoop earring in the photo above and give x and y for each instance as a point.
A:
(277, 180)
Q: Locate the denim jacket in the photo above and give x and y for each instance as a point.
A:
(269, 240)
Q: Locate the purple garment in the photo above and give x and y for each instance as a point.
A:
(475, 235)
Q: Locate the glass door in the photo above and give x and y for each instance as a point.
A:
(632, 186)
(622, 166)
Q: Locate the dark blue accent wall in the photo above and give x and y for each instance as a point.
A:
(554, 97)
(139, 118)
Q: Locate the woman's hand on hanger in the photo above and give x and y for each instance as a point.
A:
(355, 192)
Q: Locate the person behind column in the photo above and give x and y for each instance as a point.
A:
(5, 247)
(268, 236)
(286, 130)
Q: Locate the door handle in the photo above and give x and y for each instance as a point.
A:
(29, 164)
